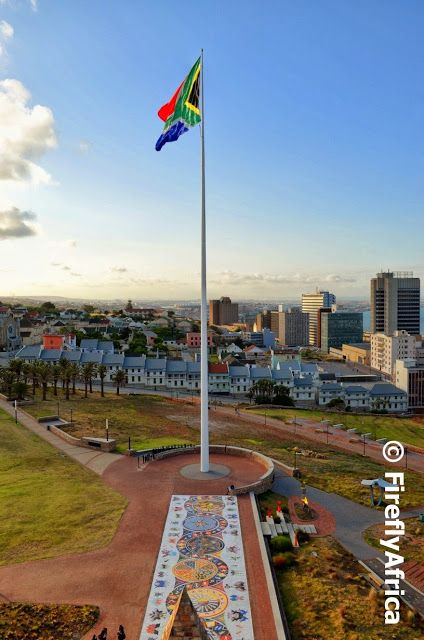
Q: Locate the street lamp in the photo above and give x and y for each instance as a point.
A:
(363, 440)
(71, 417)
(58, 409)
(327, 431)
(16, 411)
(107, 429)
(265, 417)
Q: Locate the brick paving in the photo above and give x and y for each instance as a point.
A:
(117, 578)
(325, 523)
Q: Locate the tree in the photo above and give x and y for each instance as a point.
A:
(56, 373)
(48, 306)
(74, 371)
(8, 379)
(282, 396)
(34, 375)
(336, 403)
(263, 391)
(88, 372)
(119, 379)
(88, 308)
(16, 366)
(26, 371)
(102, 371)
(19, 390)
(44, 376)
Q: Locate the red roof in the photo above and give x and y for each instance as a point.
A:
(218, 368)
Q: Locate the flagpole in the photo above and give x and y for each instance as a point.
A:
(204, 404)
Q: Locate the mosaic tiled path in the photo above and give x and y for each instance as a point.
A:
(201, 550)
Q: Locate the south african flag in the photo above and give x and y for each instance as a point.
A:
(182, 111)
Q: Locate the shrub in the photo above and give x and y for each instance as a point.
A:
(281, 543)
(283, 560)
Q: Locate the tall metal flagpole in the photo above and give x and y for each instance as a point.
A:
(204, 427)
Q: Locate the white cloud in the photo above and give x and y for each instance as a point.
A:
(84, 147)
(233, 278)
(119, 269)
(25, 135)
(333, 277)
(16, 224)
(6, 30)
(34, 4)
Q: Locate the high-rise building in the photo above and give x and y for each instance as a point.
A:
(385, 350)
(291, 326)
(395, 303)
(263, 320)
(223, 311)
(311, 303)
(409, 376)
(340, 327)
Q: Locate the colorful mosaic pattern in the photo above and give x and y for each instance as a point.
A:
(202, 551)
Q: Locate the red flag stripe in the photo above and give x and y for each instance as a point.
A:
(168, 108)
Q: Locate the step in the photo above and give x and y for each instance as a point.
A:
(266, 530)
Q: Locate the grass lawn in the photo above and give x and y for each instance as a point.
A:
(155, 420)
(24, 621)
(407, 430)
(411, 544)
(325, 598)
(49, 504)
(151, 443)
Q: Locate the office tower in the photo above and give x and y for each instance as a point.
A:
(340, 327)
(395, 303)
(293, 327)
(263, 321)
(311, 303)
(223, 311)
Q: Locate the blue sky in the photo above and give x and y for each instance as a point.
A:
(314, 144)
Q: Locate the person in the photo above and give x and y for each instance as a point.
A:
(94, 637)
(121, 633)
(103, 634)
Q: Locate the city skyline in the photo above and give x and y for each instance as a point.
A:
(312, 196)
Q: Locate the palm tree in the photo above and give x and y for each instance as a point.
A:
(75, 371)
(101, 372)
(119, 379)
(20, 390)
(56, 373)
(8, 379)
(15, 366)
(26, 371)
(64, 365)
(85, 372)
(67, 376)
(44, 375)
(34, 366)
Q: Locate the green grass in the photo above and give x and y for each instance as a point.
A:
(151, 443)
(49, 504)
(407, 430)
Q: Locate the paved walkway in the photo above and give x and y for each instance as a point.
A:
(118, 577)
(97, 461)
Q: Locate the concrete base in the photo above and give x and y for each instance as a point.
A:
(192, 472)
